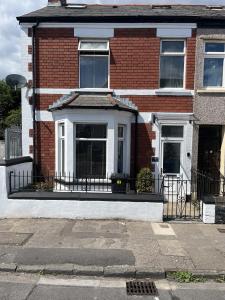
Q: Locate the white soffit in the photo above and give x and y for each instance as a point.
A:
(94, 32)
(174, 32)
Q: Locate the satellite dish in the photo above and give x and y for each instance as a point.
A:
(16, 81)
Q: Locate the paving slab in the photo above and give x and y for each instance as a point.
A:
(85, 257)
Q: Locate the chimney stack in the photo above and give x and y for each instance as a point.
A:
(57, 3)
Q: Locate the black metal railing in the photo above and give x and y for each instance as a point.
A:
(28, 182)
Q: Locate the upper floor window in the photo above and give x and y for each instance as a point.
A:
(214, 65)
(94, 64)
(172, 59)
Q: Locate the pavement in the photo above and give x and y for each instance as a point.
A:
(39, 287)
(110, 248)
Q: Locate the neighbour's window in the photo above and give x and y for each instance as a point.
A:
(61, 149)
(121, 148)
(214, 65)
(91, 140)
(172, 59)
(94, 64)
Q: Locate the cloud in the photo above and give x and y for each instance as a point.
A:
(10, 33)
(10, 30)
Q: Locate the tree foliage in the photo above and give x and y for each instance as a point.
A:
(10, 102)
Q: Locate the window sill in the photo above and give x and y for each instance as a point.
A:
(211, 91)
(94, 90)
(174, 92)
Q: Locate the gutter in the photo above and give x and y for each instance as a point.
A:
(34, 96)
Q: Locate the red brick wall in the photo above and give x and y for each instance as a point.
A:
(134, 59)
(43, 101)
(145, 135)
(57, 58)
(190, 72)
(162, 103)
(46, 147)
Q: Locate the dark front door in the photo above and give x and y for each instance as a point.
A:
(209, 150)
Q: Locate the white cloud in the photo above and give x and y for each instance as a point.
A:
(10, 30)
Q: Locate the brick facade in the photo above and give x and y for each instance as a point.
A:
(57, 58)
(134, 64)
(46, 147)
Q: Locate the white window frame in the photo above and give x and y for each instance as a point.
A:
(61, 159)
(184, 54)
(172, 140)
(89, 139)
(122, 139)
(102, 55)
(214, 55)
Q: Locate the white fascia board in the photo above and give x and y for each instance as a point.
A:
(120, 92)
(114, 25)
(174, 32)
(94, 32)
(174, 116)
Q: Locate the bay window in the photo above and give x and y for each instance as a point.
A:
(94, 64)
(91, 140)
(172, 61)
(214, 65)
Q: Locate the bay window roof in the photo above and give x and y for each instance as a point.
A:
(92, 101)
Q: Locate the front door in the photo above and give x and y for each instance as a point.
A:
(171, 158)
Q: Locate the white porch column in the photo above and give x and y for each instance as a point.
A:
(69, 147)
(111, 161)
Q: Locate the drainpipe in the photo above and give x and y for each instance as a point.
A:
(34, 97)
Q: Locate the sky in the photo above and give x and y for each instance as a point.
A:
(10, 31)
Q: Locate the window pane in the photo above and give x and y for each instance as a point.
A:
(93, 71)
(173, 131)
(94, 46)
(214, 47)
(213, 72)
(171, 158)
(120, 157)
(120, 132)
(90, 159)
(172, 46)
(91, 131)
(172, 71)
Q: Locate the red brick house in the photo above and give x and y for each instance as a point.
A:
(112, 88)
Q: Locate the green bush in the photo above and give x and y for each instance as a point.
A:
(13, 118)
(144, 181)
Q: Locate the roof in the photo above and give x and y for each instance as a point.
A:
(136, 13)
(92, 101)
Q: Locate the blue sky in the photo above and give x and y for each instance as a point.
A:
(10, 31)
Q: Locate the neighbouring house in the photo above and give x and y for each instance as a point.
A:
(209, 103)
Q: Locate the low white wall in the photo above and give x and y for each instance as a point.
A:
(208, 213)
(13, 208)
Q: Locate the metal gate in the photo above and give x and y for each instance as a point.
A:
(181, 199)
(13, 142)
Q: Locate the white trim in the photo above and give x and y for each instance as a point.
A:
(94, 32)
(114, 25)
(143, 117)
(121, 92)
(174, 32)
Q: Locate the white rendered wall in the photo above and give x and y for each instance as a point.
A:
(208, 216)
(12, 208)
